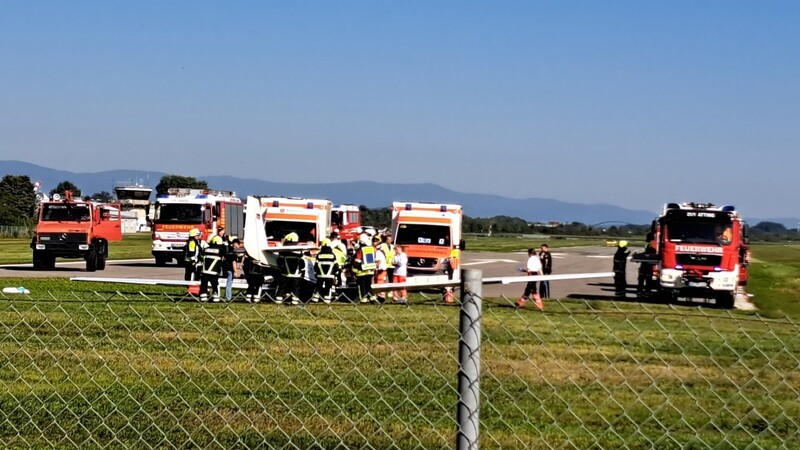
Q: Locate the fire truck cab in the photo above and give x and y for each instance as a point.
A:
(347, 220)
(700, 251)
(70, 228)
(179, 210)
(430, 234)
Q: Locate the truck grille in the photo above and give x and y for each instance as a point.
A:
(688, 259)
(62, 240)
(422, 263)
(62, 237)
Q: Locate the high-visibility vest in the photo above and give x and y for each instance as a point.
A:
(192, 251)
(388, 250)
(212, 260)
(367, 263)
(341, 256)
(454, 258)
(325, 266)
(291, 264)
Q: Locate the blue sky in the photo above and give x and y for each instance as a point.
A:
(630, 103)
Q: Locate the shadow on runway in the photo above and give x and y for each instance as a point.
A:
(631, 296)
(31, 269)
(143, 264)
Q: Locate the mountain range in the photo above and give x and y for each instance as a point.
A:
(367, 193)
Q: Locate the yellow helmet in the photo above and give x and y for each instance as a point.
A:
(216, 240)
(623, 243)
(325, 243)
(291, 237)
(194, 232)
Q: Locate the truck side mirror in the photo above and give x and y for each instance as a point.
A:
(462, 245)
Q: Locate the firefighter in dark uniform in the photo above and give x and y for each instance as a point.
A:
(363, 266)
(213, 255)
(291, 265)
(620, 261)
(192, 256)
(645, 281)
(254, 274)
(547, 269)
(326, 270)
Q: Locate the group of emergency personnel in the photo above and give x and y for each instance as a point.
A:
(208, 261)
(370, 260)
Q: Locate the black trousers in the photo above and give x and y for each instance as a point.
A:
(290, 286)
(325, 287)
(544, 289)
(530, 289)
(205, 279)
(364, 283)
(254, 281)
(619, 283)
(191, 272)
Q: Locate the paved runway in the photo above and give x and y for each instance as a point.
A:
(492, 264)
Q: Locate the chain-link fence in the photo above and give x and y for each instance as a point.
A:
(155, 369)
(15, 231)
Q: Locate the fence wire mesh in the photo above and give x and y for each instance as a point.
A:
(104, 368)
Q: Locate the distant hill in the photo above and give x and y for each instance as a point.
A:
(370, 194)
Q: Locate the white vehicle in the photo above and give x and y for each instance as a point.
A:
(270, 219)
(180, 210)
(430, 233)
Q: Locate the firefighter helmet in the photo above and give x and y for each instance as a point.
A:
(325, 243)
(291, 237)
(623, 244)
(194, 232)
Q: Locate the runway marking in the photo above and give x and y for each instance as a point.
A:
(488, 261)
(81, 262)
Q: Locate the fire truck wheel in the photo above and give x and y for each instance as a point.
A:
(725, 300)
(49, 261)
(91, 261)
(101, 261)
(38, 261)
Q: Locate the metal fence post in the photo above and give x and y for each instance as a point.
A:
(469, 360)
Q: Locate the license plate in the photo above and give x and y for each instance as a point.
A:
(697, 284)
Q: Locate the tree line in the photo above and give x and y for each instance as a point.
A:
(18, 205)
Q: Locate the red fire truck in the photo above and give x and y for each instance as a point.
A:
(179, 210)
(346, 219)
(70, 228)
(700, 250)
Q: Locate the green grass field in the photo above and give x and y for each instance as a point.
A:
(129, 368)
(91, 365)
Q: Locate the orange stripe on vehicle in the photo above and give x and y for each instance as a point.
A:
(424, 220)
